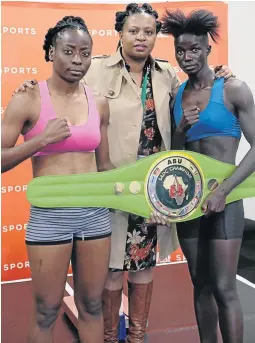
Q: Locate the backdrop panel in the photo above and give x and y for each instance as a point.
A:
(24, 26)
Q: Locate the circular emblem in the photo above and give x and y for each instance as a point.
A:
(175, 186)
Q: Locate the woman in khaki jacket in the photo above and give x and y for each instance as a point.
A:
(138, 89)
(139, 126)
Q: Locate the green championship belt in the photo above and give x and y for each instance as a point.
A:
(174, 183)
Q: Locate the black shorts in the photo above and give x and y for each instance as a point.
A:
(228, 224)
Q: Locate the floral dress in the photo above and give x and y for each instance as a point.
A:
(141, 242)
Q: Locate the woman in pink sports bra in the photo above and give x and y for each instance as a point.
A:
(65, 132)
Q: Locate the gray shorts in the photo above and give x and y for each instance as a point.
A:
(63, 225)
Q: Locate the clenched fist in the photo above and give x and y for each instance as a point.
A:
(56, 130)
(190, 117)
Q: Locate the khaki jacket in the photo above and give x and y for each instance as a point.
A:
(109, 77)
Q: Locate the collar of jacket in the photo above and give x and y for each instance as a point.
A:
(117, 58)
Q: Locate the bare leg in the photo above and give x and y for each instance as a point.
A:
(114, 280)
(224, 255)
(49, 266)
(90, 266)
(143, 276)
(197, 255)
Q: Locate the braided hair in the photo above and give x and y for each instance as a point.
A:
(132, 9)
(67, 23)
(199, 23)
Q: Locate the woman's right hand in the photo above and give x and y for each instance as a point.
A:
(56, 130)
(190, 117)
(27, 84)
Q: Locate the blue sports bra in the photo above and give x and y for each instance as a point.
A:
(214, 120)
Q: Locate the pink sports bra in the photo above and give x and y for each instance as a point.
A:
(84, 137)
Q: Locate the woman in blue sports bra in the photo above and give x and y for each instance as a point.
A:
(209, 117)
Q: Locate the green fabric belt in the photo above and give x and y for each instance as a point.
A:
(175, 183)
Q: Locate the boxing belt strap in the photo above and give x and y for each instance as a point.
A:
(175, 183)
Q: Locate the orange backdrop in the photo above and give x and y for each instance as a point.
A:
(23, 29)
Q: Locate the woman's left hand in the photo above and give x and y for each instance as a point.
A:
(214, 203)
(223, 71)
